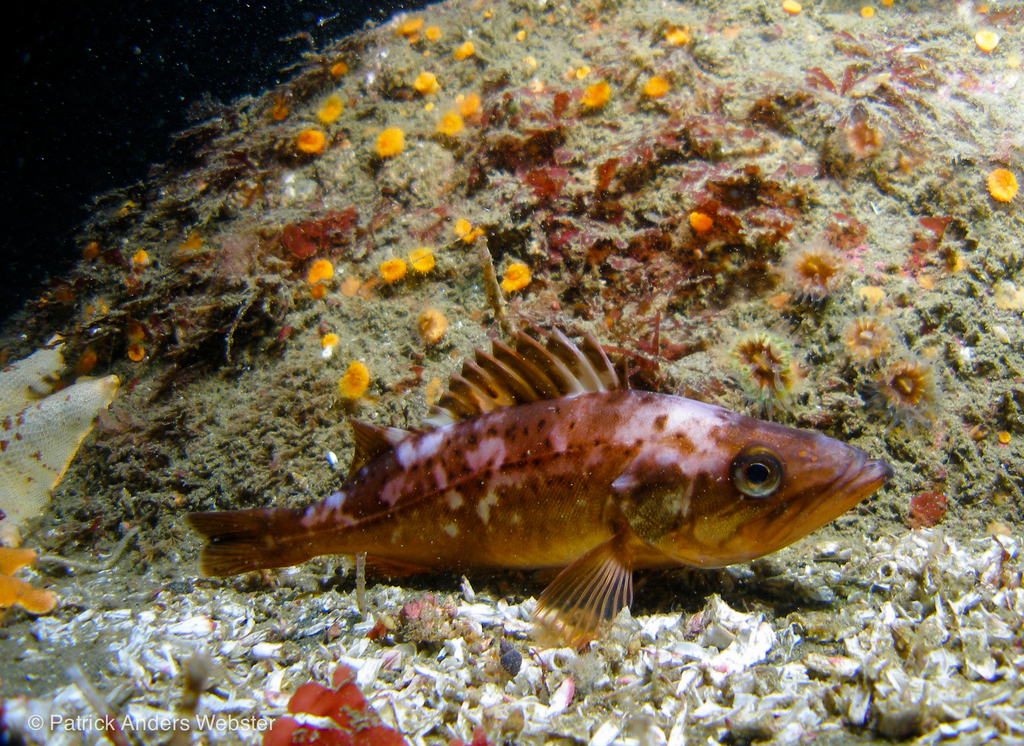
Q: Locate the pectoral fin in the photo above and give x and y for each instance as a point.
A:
(591, 590)
(653, 493)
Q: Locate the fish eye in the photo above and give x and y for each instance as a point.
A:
(756, 471)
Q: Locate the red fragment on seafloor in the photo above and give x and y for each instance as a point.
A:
(927, 509)
(303, 240)
(347, 718)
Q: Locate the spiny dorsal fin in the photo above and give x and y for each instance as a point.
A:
(538, 365)
(371, 442)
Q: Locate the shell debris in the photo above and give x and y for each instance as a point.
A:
(887, 669)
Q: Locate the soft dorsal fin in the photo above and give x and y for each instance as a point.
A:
(538, 365)
(371, 442)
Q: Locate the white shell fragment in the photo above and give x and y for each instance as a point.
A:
(40, 432)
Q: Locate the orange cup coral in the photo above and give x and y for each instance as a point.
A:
(321, 271)
(1002, 185)
(392, 270)
(517, 277)
(355, 382)
(596, 95)
(422, 260)
(390, 142)
(311, 141)
(450, 124)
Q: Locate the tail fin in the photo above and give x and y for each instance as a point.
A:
(240, 541)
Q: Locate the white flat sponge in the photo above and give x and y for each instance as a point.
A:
(40, 432)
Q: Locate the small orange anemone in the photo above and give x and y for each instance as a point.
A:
(450, 124)
(792, 7)
(517, 277)
(678, 37)
(321, 271)
(469, 105)
(390, 142)
(464, 51)
(329, 340)
(422, 260)
(433, 33)
(311, 141)
(91, 251)
(986, 40)
(655, 87)
(409, 27)
(462, 227)
(355, 382)
(426, 83)
(140, 258)
(1002, 185)
(700, 222)
(431, 326)
(596, 95)
(330, 109)
(338, 69)
(87, 361)
(136, 352)
(392, 270)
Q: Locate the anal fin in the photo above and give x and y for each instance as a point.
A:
(590, 591)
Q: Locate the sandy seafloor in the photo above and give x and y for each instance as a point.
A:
(868, 630)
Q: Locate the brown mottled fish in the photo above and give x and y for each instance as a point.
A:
(538, 457)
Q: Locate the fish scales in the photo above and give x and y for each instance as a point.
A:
(538, 458)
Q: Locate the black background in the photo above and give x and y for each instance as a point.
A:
(94, 89)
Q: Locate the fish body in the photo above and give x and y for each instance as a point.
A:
(596, 481)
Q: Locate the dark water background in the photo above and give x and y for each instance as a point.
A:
(93, 91)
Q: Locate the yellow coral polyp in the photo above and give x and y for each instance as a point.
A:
(329, 340)
(792, 7)
(321, 271)
(597, 95)
(426, 84)
(422, 260)
(140, 258)
(330, 109)
(338, 69)
(433, 33)
(311, 141)
(450, 124)
(469, 105)
(655, 87)
(1002, 185)
(390, 142)
(517, 277)
(464, 51)
(355, 382)
(392, 270)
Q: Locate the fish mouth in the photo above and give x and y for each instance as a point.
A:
(861, 477)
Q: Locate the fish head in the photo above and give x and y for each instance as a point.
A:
(742, 490)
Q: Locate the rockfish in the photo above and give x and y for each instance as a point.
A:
(538, 457)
